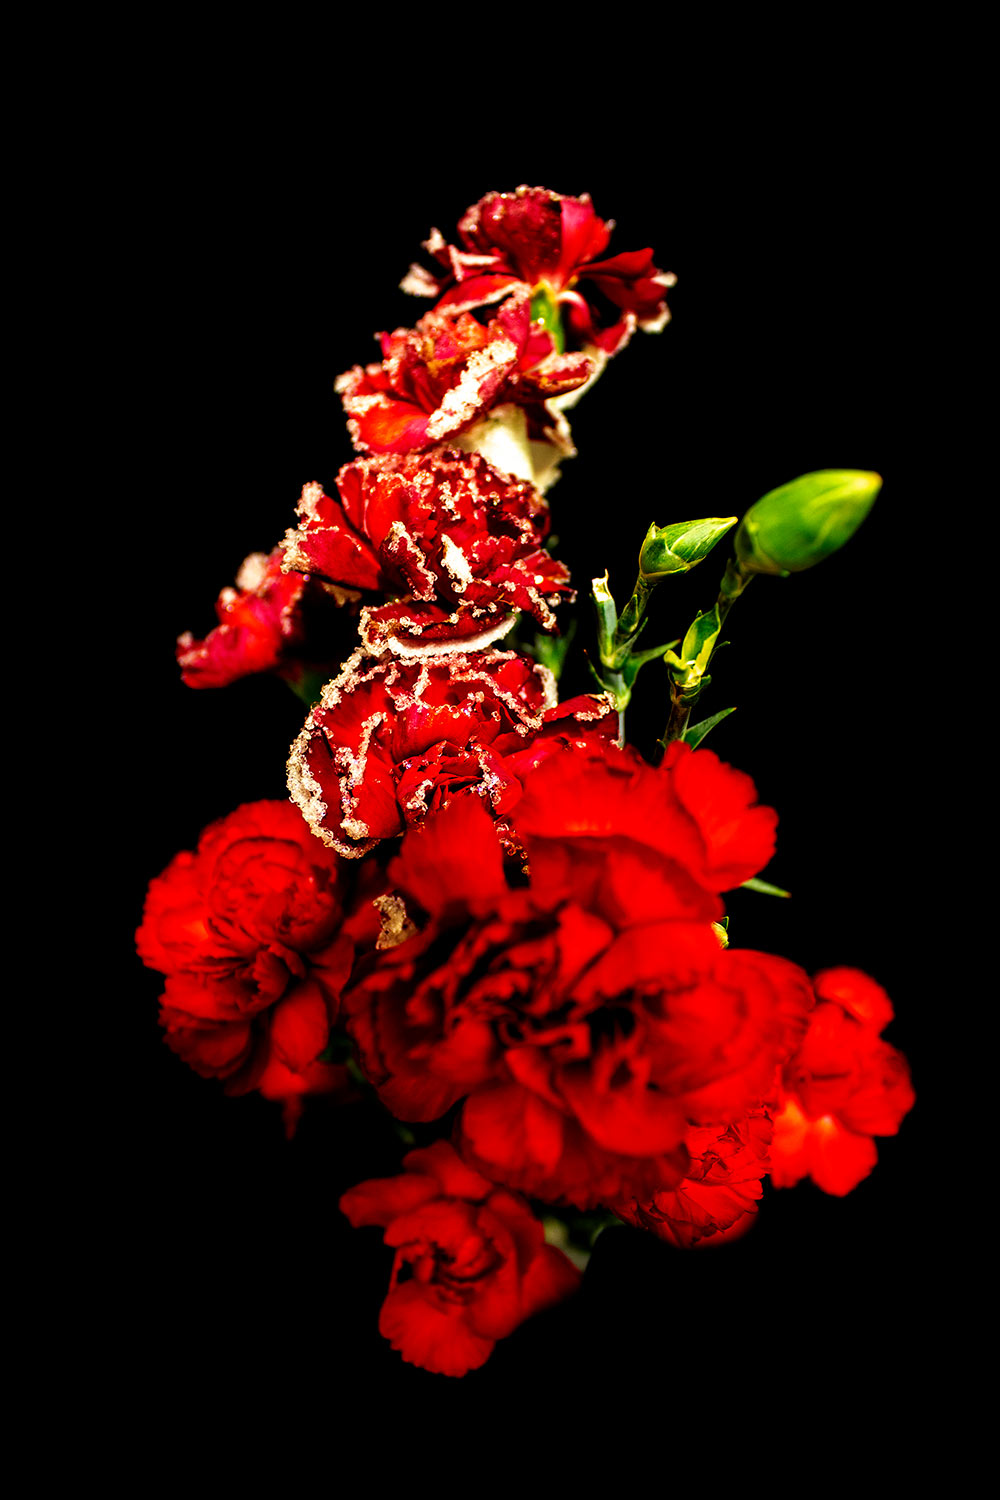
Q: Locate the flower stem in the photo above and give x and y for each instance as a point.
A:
(631, 618)
(734, 581)
(616, 682)
(683, 696)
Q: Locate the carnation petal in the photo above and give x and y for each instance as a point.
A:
(441, 1162)
(300, 1027)
(548, 1280)
(630, 1118)
(857, 993)
(452, 858)
(430, 1333)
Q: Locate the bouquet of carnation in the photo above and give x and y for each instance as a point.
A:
(487, 927)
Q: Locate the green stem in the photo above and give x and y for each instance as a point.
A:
(616, 634)
(734, 581)
(677, 721)
(631, 619)
(616, 682)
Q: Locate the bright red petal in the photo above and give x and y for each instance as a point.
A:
(430, 1332)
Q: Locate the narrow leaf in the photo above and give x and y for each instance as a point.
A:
(551, 650)
(637, 659)
(765, 888)
(695, 733)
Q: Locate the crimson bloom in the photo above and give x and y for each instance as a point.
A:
(259, 626)
(718, 1194)
(586, 1019)
(460, 540)
(544, 240)
(471, 1260)
(262, 625)
(252, 932)
(843, 1086)
(390, 740)
(436, 380)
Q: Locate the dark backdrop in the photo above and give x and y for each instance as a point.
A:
(264, 250)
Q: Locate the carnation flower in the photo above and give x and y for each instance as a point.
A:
(471, 1260)
(544, 240)
(843, 1086)
(390, 740)
(436, 380)
(252, 934)
(720, 1189)
(262, 625)
(461, 541)
(584, 1020)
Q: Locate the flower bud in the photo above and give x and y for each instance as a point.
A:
(677, 548)
(607, 616)
(797, 525)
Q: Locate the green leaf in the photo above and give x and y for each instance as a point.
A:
(637, 659)
(308, 685)
(595, 674)
(764, 887)
(355, 1074)
(695, 733)
(550, 650)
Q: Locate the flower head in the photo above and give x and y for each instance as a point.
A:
(843, 1086)
(462, 542)
(720, 1190)
(471, 1260)
(262, 625)
(585, 1019)
(440, 378)
(390, 740)
(550, 243)
(253, 933)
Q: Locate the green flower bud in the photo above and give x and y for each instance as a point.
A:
(678, 548)
(607, 616)
(797, 525)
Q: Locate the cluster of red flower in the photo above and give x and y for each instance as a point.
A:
(541, 959)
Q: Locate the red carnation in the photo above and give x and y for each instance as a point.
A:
(540, 239)
(436, 380)
(461, 541)
(471, 1261)
(250, 931)
(262, 625)
(843, 1086)
(391, 740)
(720, 1189)
(587, 1019)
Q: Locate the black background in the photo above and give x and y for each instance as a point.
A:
(264, 245)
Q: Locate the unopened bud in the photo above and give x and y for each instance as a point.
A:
(607, 617)
(797, 525)
(679, 547)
